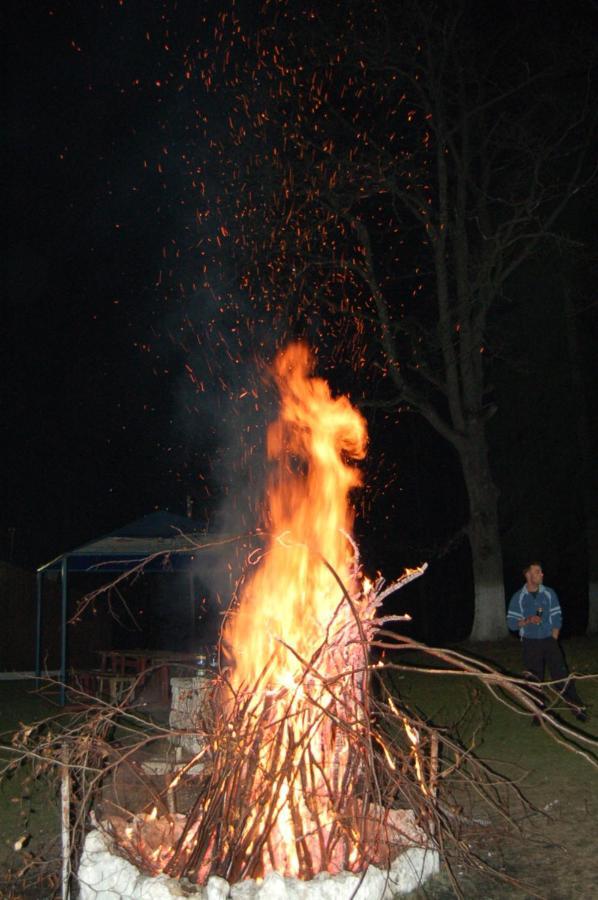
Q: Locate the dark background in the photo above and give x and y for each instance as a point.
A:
(98, 423)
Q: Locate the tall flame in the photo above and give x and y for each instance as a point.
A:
(293, 783)
(297, 637)
(292, 597)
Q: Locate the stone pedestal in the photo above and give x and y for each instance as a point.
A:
(188, 707)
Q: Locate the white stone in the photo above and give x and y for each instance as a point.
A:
(217, 888)
(272, 887)
(244, 890)
(105, 876)
(409, 870)
(188, 700)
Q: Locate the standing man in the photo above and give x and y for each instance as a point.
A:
(535, 611)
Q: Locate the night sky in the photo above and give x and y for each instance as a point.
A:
(90, 384)
(101, 417)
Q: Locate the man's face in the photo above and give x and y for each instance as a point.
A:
(534, 577)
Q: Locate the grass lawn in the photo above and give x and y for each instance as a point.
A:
(27, 806)
(557, 857)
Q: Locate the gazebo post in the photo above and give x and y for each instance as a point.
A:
(192, 601)
(38, 626)
(64, 613)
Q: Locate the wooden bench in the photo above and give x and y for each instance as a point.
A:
(113, 686)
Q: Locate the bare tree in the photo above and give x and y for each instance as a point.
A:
(388, 172)
(586, 478)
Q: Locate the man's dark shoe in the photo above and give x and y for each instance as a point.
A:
(581, 714)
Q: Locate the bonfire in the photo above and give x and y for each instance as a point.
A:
(296, 768)
(309, 776)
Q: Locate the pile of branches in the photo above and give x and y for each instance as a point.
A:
(358, 775)
(304, 761)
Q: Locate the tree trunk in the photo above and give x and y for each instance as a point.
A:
(489, 621)
(585, 478)
(592, 531)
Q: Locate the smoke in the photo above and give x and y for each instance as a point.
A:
(225, 400)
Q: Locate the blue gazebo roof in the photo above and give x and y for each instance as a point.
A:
(158, 542)
(166, 540)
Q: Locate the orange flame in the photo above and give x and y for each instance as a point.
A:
(299, 733)
(292, 596)
(290, 636)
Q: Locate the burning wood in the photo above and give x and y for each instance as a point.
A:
(300, 780)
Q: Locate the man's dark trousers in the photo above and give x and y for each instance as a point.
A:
(542, 652)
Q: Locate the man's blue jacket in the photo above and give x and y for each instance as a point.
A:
(524, 604)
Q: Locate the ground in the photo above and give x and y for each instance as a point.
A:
(28, 807)
(555, 854)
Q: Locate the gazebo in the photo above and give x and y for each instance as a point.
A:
(161, 542)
